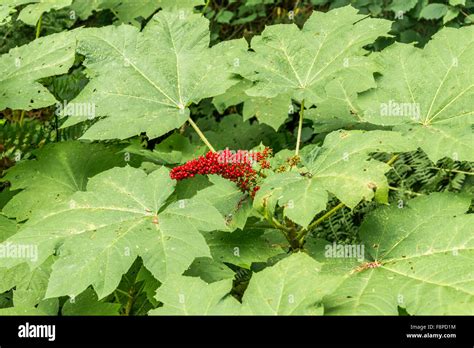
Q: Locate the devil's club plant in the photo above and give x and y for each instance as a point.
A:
(145, 215)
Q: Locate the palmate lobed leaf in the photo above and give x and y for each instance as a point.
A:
(208, 270)
(341, 166)
(7, 227)
(87, 304)
(192, 296)
(242, 247)
(99, 233)
(33, 10)
(287, 63)
(339, 108)
(46, 307)
(301, 62)
(234, 133)
(28, 286)
(294, 286)
(60, 170)
(300, 197)
(271, 111)
(5, 13)
(23, 66)
(427, 94)
(127, 11)
(145, 81)
(228, 199)
(425, 252)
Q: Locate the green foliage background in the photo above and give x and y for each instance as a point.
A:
(412, 175)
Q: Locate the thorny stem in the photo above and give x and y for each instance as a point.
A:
(201, 135)
(300, 126)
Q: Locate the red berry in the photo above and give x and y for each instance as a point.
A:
(234, 167)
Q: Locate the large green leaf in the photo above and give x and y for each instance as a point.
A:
(22, 67)
(7, 227)
(424, 253)
(31, 13)
(242, 247)
(226, 197)
(402, 6)
(294, 286)
(271, 111)
(87, 304)
(192, 296)
(47, 307)
(339, 108)
(127, 11)
(428, 93)
(5, 14)
(434, 11)
(209, 270)
(174, 149)
(342, 166)
(60, 170)
(302, 62)
(31, 285)
(236, 134)
(301, 197)
(99, 233)
(145, 81)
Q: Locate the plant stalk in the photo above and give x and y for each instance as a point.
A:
(300, 126)
(452, 170)
(392, 160)
(206, 6)
(22, 116)
(405, 191)
(201, 135)
(321, 219)
(129, 305)
(38, 26)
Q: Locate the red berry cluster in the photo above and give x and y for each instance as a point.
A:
(234, 166)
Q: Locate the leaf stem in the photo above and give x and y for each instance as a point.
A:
(452, 170)
(123, 292)
(300, 126)
(278, 225)
(22, 116)
(38, 26)
(201, 135)
(324, 217)
(392, 160)
(56, 126)
(206, 6)
(405, 191)
(131, 300)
